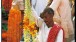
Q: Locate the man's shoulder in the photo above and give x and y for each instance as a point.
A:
(58, 26)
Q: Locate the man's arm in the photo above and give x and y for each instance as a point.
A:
(38, 20)
(55, 4)
(60, 36)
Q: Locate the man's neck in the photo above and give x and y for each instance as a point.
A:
(51, 25)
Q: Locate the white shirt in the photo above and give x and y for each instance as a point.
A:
(39, 5)
(44, 30)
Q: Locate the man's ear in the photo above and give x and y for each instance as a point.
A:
(42, 15)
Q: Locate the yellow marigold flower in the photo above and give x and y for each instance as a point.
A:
(35, 31)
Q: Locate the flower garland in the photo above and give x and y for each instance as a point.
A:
(14, 29)
(7, 4)
(29, 29)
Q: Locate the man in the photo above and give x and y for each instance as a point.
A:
(49, 31)
(62, 9)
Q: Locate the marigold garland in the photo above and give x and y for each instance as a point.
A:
(14, 29)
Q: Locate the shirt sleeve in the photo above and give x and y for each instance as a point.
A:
(33, 3)
(55, 3)
(38, 20)
(60, 36)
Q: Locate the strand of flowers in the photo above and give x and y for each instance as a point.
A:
(14, 29)
(29, 30)
(7, 4)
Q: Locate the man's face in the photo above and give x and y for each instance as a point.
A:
(48, 19)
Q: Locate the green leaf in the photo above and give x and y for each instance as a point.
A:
(3, 10)
(4, 27)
